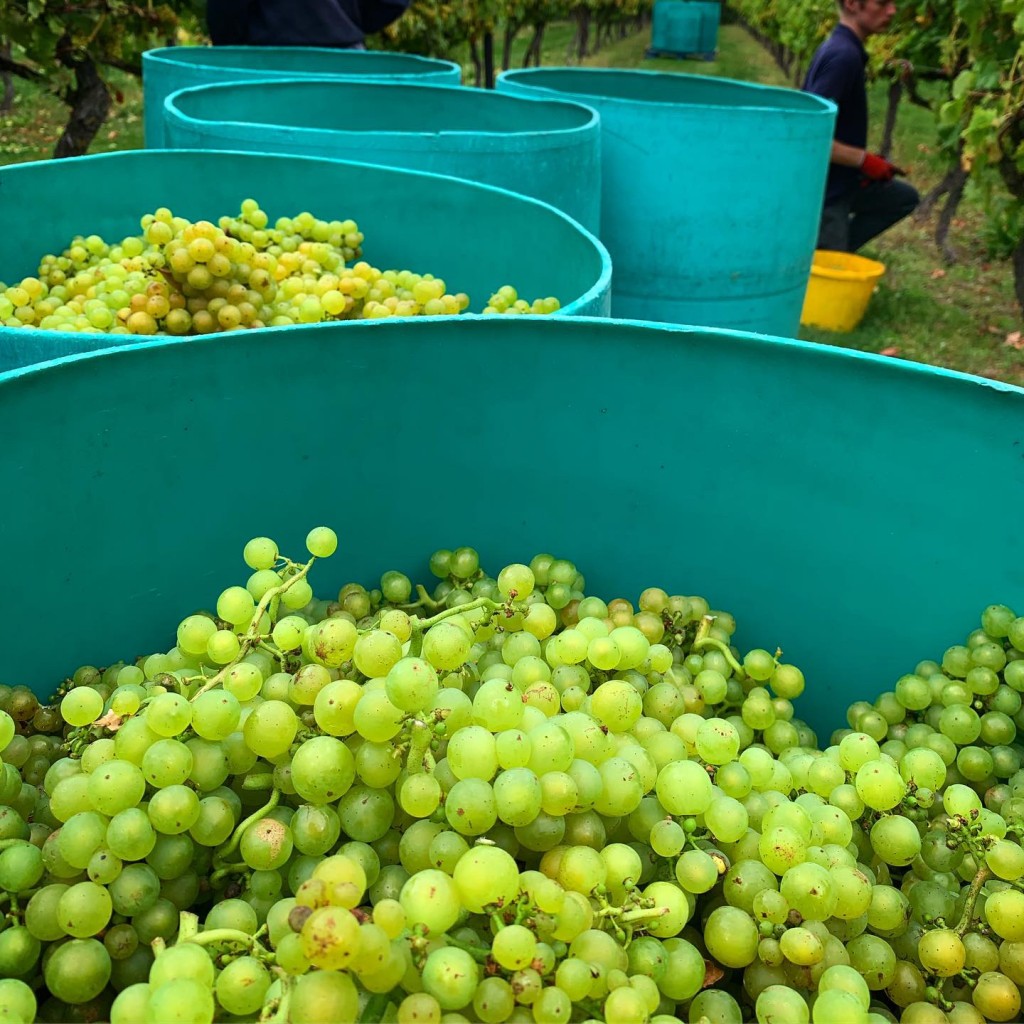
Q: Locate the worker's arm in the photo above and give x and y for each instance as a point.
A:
(871, 165)
(846, 156)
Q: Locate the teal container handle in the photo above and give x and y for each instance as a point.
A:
(476, 237)
(169, 68)
(550, 150)
(711, 191)
(854, 510)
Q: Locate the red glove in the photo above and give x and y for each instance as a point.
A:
(877, 168)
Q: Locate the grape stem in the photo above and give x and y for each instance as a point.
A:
(232, 844)
(374, 1009)
(425, 601)
(222, 935)
(632, 916)
(276, 1011)
(263, 781)
(253, 637)
(478, 953)
(710, 641)
(973, 892)
(419, 748)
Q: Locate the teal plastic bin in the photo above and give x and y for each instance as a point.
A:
(710, 19)
(676, 29)
(548, 150)
(711, 191)
(476, 237)
(812, 506)
(170, 68)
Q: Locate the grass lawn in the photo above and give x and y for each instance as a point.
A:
(959, 316)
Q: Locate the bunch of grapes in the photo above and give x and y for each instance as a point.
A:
(183, 278)
(499, 798)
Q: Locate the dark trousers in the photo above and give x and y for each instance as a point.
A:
(864, 213)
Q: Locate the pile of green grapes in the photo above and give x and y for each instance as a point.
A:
(182, 278)
(501, 799)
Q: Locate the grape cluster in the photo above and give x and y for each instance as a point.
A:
(183, 278)
(499, 798)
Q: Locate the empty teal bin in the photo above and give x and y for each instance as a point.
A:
(710, 19)
(675, 28)
(548, 150)
(711, 191)
(813, 506)
(476, 237)
(170, 68)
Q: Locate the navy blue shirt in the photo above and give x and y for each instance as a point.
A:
(341, 23)
(837, 73)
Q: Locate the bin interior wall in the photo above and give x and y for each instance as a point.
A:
(803, 488)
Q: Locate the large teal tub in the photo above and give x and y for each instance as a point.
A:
(805, 488)
(476, 237)
(169, 68)
(676, 29)
(710, 19)
(549, 150)
(711, 191)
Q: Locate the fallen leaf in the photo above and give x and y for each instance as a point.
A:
(992, 329)
(111, 720)
(892, 350)
(1015, 339)
(937, 273)
(712, 973)
(112, 135)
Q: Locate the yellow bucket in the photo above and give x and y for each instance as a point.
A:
(839, 290)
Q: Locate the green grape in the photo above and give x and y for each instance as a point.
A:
(323, 770)
(84, 910)
(486, 875)
(430, 897)
(81, 836)
(777, 1003)
(696, 871)
(801, 947)
(1004, 912)
(880, 785)
(376, 652)
(683, 787)
(451, 976)
(242, 985)
(873, 958)
(667, 838)
(366, 814)
(270, 728)
(77, 971)
(895, 840)
(684, 970)
(472, 753)
(617, 705)
(41, 912)
(517, 796)
(81, 706)
(375, 718)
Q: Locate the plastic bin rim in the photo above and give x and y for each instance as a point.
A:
(498, 322)
(601, 284)
(592, 116)
(872, 269)
(163, 54)
(814, 104)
